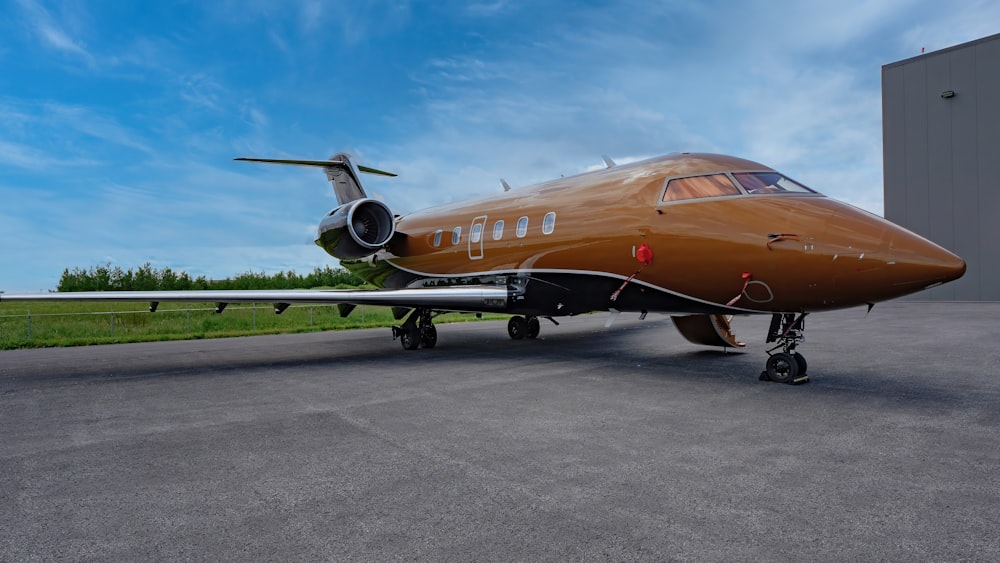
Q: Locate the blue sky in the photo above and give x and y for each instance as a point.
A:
(119, 120)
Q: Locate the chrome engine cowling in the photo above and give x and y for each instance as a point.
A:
(356, 229)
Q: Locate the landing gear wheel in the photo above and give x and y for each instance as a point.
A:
(782, 368)
(517, 327)
(534, 327)
(801, 361)
(410, 338)
(787, 366)
(428, 336)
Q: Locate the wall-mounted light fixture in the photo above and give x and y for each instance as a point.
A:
(948, 94)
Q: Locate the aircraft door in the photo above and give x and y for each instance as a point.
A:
(476, 237)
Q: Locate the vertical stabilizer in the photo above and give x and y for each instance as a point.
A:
(345, 178)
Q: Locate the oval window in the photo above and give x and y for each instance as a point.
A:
(522, 227)
(477, 233)
(498, 230)
(456, 235)
(437, 238)
(549, 223)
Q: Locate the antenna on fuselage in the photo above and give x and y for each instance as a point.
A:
(506, 186)
(607, 160)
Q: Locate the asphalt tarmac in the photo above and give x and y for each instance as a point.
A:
(589, 443)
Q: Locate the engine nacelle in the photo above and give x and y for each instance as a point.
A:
(356, 229)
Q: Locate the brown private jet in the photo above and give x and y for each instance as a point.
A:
(701, 237)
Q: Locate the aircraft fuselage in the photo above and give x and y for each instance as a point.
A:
(745, 252)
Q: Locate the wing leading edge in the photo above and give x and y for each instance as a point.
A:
(455, 298)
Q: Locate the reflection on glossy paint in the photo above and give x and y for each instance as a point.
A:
(703, 243)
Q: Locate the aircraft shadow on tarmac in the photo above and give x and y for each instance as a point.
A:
(645, 350)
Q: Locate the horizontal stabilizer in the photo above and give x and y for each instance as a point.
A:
(319, 163)
(340, 171)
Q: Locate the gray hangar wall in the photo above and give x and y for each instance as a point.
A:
(941, 155)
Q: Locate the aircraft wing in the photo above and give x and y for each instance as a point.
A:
(454, 298)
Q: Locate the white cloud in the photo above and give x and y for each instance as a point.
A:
(797, 27)
(201, 90)
(486, 9)
(793, 86)
(977, 19)
(310, 14)
(89, 122)
(23, 156)
(48, 136)
(52, 34)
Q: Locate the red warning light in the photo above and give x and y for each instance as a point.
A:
(644, 254)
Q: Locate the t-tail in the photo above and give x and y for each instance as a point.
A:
(340, 171)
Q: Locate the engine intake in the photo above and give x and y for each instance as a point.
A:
(356, 229)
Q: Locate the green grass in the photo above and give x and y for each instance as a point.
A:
(41, 324)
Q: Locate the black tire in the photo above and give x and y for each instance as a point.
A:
(428, 336)
(517, 327)
(782, 368)
(534, 327)
(801, 361)
(410, 338)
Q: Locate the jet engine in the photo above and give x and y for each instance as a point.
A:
(356, 229)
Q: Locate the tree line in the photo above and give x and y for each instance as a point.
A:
(147, 278)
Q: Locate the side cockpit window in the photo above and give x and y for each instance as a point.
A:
(769, 183)
(712, 185)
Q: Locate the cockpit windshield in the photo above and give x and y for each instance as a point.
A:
(711, 185)
(769, 183)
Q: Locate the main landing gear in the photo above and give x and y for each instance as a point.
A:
(417, 330)
(519, 327)
(786, 366)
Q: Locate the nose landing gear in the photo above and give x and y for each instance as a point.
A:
(786, 366)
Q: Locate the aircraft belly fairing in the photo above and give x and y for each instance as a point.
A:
(558, 293)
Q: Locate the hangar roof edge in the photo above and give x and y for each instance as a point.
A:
(942, 51)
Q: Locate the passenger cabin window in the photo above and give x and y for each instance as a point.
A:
(699, 186)
(769, 183)
(498, 230)
(437, 238)
(522, 227)
(456, 235)
(549, 223)
(477, 233)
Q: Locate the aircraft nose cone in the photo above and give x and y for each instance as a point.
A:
(921, 264)
(949, 267)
